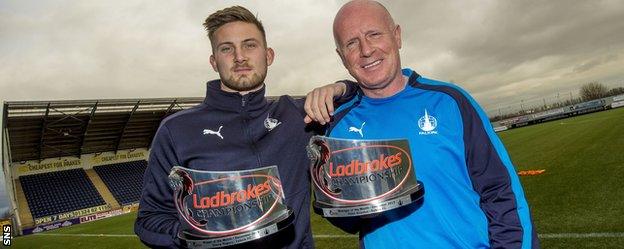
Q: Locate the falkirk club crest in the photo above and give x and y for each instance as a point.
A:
(427, 124)
(271, 123)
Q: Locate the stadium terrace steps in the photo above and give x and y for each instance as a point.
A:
(124, 180)
(26, 218)
(102, 189)
(59, 192)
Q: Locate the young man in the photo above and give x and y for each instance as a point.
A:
(245, 131)
(473, 197)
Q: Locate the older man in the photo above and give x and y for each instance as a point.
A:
(235, 128)
(473, 197)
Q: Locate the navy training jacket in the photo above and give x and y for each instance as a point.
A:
(243, 142)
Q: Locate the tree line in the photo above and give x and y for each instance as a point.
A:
(595, 90)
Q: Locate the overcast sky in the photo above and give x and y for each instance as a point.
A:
(502, 52)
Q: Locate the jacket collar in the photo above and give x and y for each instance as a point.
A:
(413, 76)
(252, 103)
(412, 80)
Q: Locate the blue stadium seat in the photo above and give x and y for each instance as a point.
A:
(124, 180)
(59, 192)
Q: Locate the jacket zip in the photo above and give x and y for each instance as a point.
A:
(247, 129)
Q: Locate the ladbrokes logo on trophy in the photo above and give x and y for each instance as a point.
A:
(355, 167)
(225, 208)
(359, 177)
(222, 199)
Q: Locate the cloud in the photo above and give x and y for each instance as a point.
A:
(500, 51)
(585, 66)
(507, 51)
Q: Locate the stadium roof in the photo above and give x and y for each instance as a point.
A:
(47, 129)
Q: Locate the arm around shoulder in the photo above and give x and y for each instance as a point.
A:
(320, 102)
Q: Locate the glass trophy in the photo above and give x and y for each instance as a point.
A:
(361, 177)
(224, 208)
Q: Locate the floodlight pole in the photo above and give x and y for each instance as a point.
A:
(123, 131)
(44, 125)
(84, 134)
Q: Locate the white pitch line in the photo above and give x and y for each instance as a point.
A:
(579, 235)
(320, 236)
(333, 236)
(84, 235)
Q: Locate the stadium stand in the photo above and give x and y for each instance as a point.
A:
(43, 140)
(59, 192)
(102, 189)
(124, 180)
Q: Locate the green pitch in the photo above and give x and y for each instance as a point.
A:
(581, 190)
(579, 195)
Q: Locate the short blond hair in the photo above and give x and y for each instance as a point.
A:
(232, 14)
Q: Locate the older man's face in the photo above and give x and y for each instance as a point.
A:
(368, 44)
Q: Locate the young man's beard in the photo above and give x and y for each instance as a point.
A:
(243, 84)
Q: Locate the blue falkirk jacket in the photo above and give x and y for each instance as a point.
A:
(473, 197)
(244, 142)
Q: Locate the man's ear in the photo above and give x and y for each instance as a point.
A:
(213, 62)
(397, 35)
(344, 62)
(270, 56)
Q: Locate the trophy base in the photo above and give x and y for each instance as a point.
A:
(371, 208)
(194, 241)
